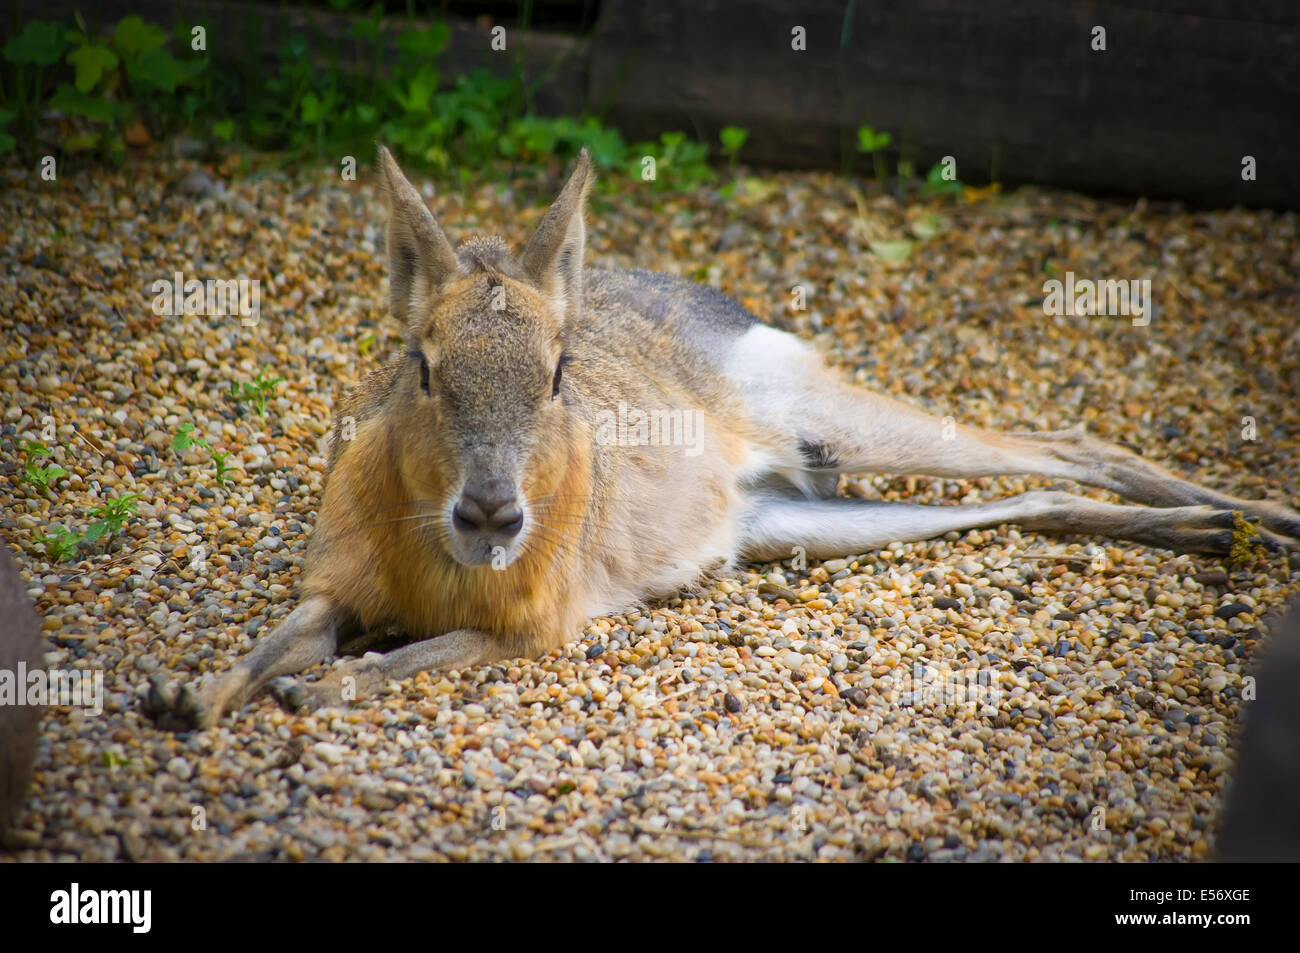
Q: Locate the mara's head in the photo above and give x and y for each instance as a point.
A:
(478, 416)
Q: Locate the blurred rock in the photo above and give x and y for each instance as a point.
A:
(1261, 822)
(20, 641)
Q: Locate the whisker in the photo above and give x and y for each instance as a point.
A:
(402, 519)
(575, 524)
(393, 506)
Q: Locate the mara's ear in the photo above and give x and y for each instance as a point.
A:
(552, 260)
(420, 259)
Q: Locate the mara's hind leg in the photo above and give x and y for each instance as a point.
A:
(893, 438)
(831, 426)
(887, 436)
(824, 529)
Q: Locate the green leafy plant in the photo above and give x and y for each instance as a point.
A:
(123, 85)
(936, 184)
(123, 77)
(874, 144)
(733, 140)
(257, 392)
(680, 163)
(149, 67)
(61, 543)
(537, 138)
(219, 464)
(40, 477)
(185, 439)
(110, 517)
(40, 44)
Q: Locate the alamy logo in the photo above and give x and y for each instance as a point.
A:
(632, 427)
(103, 906)
(212, 298)
(78, 688)
(1085, 297)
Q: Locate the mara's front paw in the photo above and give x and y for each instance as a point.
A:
(178, 708)
(296, 695)
(339, 688)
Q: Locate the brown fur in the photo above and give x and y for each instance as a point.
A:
(398, 578)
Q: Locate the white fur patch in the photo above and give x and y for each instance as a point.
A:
(772, 371)
(763, 356)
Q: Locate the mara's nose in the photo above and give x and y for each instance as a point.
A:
(490, 507)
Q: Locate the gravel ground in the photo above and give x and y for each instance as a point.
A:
(1077, 699)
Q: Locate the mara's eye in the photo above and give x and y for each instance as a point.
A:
(559, 375)
(424, 374)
